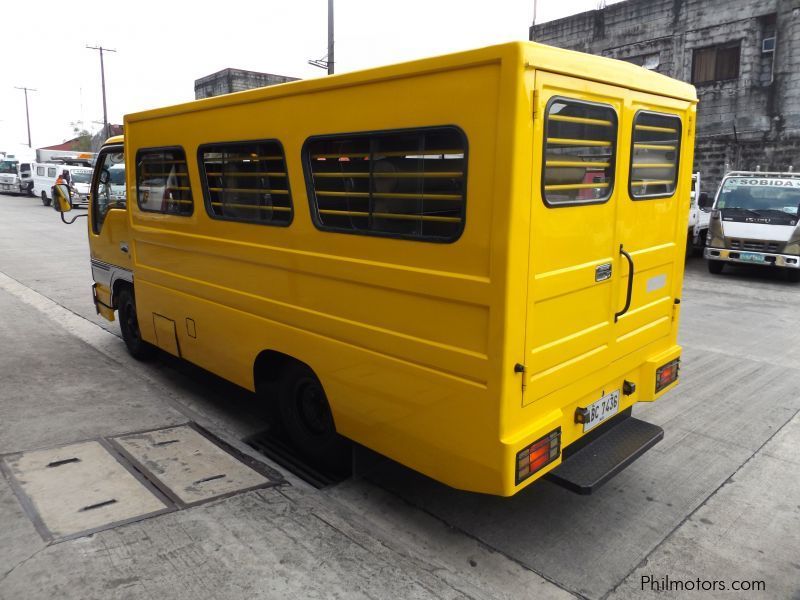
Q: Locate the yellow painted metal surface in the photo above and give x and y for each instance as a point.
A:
(416, 342)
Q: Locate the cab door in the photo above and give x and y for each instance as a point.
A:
(574, 266)
(652, 221)
(109, 227)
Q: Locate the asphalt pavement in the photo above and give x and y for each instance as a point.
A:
(715, 504)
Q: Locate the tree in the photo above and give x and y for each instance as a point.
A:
(83, 138)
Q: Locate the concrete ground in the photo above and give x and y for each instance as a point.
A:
(717, 502)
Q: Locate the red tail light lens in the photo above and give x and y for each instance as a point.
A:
(538, 454)
(667, 373)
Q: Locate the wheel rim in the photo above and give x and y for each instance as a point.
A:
(312, 407)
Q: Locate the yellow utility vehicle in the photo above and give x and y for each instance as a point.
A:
(471, 264)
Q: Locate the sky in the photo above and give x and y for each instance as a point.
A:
(162, 46)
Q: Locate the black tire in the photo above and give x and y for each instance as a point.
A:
(793, 275)
(715, 266)
(45, 200)
(307, 419)
(129, 326)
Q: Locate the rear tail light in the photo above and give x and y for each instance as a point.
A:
(538, 454)
(667, 373)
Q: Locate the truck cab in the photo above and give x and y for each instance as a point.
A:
(108, 228)
(755, 221)
(699, 217)
(16, 174)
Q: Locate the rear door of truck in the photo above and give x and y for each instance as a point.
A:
(600, 211)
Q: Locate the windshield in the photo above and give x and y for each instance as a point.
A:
(81, 176)
(8, 166)
(760, 195)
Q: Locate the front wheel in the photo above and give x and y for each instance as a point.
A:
(45, 200)
(129, 326)
(307, 419)
(715, 266)
(793, 275)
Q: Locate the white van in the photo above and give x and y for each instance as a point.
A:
(756, 221)
(44, 178)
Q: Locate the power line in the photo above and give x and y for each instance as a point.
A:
(27, 113)
(103, 82)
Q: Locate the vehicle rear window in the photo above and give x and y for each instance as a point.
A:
(407, 184)
(580, 148)
(654, 155)
(247, 182)
(162, 181)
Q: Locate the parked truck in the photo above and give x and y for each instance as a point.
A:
(755, 221)
(16, 171)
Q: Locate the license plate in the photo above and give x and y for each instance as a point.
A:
(599, 411)
(751, 257)
(5, 187)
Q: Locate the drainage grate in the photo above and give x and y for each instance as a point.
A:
(279, 451)
(188, 466)
(78, 489)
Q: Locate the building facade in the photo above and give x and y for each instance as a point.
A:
(743, 56)
(228, 81)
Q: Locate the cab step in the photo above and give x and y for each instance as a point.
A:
(608, 451)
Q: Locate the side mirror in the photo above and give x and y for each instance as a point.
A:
(705, 201)
(62, 198)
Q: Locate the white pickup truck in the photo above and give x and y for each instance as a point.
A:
(755, 220)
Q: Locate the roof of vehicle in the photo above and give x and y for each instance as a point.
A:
(114, 139)
(773, 174)
(527, 54)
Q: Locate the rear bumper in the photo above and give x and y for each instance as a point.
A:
(549, 415)
(769, 259)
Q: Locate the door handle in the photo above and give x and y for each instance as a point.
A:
(124, 247)
(629, 295)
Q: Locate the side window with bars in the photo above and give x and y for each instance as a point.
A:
(654, 155)
(407, 184)
(580, 148)
(162, 181)
(247, 182)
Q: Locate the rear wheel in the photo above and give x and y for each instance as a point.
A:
(129, 326)
(45, 199)
(715, 266)
(307, 419)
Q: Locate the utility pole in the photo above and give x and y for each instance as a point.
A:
(27, 114)
(103, 82)
(330, 37)
(532, 32)
(327, 61)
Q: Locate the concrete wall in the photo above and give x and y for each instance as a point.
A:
(228, 81)
(748, 121)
